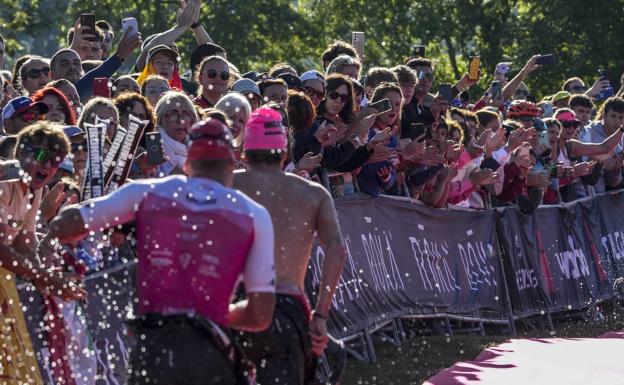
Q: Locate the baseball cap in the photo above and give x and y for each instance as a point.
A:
(163, 49)
(245, 87)
(566, 115)
(67, 165)
(313, 75)
(20, 104)
(292, 81)
(210, 139)
(264, 131)
(73, 132)
(560, 96)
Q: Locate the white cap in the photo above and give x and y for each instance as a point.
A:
(313, 75)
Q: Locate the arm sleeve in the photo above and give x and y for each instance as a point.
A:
(84, 85)
(259, 273)
(116, 208)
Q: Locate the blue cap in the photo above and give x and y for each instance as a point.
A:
(20, 104)
(72, 131)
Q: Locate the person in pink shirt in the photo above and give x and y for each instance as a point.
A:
(196, 240)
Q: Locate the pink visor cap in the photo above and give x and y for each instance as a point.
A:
(264, 131)
(566, 116)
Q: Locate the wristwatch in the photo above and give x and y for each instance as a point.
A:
(195, 25)
(358, 142)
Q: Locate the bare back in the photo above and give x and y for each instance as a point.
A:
(298, 208)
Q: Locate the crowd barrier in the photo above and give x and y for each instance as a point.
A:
(405, 260)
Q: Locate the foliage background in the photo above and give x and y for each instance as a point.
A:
(585, 36)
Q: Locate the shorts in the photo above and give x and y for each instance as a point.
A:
(177, 351)
(282, 353)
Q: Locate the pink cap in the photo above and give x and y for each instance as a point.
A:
(566, 115)
(264, 131)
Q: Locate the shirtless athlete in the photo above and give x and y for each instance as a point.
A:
(286, 352)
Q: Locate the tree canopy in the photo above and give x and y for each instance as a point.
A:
(584, 37)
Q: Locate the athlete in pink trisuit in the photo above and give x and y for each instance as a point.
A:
(196, 239)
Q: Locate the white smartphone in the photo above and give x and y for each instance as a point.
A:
(357, 41)
(130, 22)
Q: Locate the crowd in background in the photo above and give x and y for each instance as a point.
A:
(378, 131)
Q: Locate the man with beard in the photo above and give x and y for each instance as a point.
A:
(66, 63)
(286, 352)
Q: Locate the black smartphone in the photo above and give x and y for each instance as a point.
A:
(382, 105)
(496, 90)
(88, 20)
(490, 163)
(418, 130)
(446, 91)
(418, 51)
(603, 74)
(155, 153)
(545, 59)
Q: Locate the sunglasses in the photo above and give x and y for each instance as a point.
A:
(225, 75)
(37, 73)
(75, 147)
(334, 95)
(30, 116)
(522, 92)
(43, 156)
(570, 124)
(526, 119)
(426, 75)
(579, 88)
(312, 92)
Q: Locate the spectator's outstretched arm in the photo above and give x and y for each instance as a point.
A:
(186, 16)
(512, 86)
(200, 33)
(126, 46)
(579, 149)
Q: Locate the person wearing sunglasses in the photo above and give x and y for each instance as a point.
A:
(522, 92)
(40, 150)
(314, 84)
(21, 112)
(175, 114)
(35, 74)
(213, 75)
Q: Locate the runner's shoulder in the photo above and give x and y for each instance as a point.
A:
(310, 187)
(254, 207)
